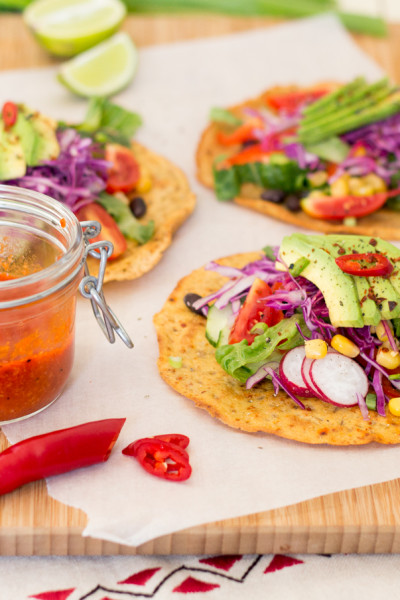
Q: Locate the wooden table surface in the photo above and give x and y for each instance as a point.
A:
(363, 520)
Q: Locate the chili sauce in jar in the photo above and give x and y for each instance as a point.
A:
(42, 254)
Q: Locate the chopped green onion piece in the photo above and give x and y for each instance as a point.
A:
(269, 252)
(299, 266)
(350, 221)
(259, 328)
(370, 401)
(222, 115)
(395, 376)
(175, 361)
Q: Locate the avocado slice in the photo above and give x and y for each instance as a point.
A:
(46, 145)
(385, 291)
(12, 159)
(27, 136)
(338, 288)
(335, 244)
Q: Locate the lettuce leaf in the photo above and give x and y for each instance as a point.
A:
(242, 360)
(130, 227)
(286, 176)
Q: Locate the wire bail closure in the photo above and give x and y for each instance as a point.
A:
(91, 287)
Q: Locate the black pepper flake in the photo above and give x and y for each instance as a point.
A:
(392, 305)
(373, 242)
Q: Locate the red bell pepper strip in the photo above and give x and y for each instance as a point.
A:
(57, 452)
(291, 101)
(370, 264)
(241, 134)
(161, 458)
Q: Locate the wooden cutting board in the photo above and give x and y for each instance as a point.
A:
(363, 520)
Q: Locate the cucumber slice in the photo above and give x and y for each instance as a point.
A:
(219, 324)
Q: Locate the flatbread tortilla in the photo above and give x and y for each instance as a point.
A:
(169, 202)
(181, 333)
(384, 223)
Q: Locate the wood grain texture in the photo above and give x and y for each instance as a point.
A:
(362, 520)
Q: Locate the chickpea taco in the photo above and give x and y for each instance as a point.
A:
(325, 157)
(300, 341)
(139, 197)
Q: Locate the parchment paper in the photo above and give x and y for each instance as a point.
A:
(234, 473)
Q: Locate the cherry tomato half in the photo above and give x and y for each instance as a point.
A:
(109, 229)
(254, 310)
(124, 172)
(370, 264)
(388, 389)
(335, 208)
(9, 114)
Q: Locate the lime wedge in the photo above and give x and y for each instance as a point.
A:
(67, 27)
(103, 70)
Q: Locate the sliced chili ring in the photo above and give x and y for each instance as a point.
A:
(370, 264)
(9, 114)
(176, 439)
(162, 459)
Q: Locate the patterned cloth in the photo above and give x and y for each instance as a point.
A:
(257, 577)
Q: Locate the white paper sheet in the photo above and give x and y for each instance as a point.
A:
(234, 473)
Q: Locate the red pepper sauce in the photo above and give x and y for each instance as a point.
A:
(29, 384)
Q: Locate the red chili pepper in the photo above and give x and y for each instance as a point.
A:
(57, 452)
(9, 114)
(162, 458)
(370, 264)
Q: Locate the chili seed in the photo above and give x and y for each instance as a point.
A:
(275, 196)
(189, 300)
(138, 207)
(292, 203)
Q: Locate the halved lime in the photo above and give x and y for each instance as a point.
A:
(67, 27)
(103, 70)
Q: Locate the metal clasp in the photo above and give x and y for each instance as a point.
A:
(92, 287)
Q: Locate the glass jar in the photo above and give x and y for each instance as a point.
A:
(42, 262)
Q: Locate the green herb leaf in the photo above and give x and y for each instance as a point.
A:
(269, 252)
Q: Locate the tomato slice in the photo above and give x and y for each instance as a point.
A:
(333, 208)
(124, 172)
(109, 229)
(254, 310)
(9, 114)
(388, 389)
(370, 264)
(241, 134)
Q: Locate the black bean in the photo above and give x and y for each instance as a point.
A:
(248, 143)
(275, 196)
(292, 203)
(138, 207)
(189, 300)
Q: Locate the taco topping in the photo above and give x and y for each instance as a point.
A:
(337, 148)
(320, 317)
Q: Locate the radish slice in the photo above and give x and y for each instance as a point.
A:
(306, 375)
(290, 372)
(339, 379)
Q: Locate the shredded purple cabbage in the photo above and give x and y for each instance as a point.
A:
(75, 177)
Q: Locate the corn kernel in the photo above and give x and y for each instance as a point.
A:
(394, 406)
(342, 344)
(376, 182)
(355, 183)
(381, 331)
(340, 187)
(318, 178)
(360, 151)
(315, 348)
(388, 358)
(144, 184)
